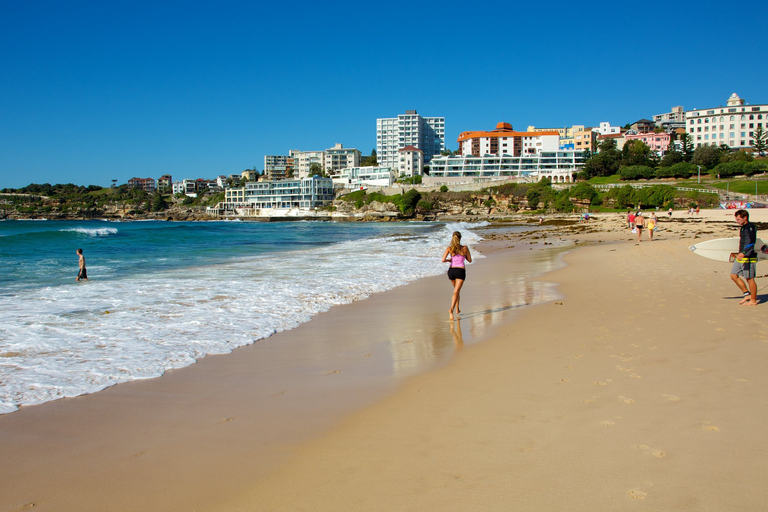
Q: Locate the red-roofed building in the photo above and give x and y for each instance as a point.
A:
(505, 141)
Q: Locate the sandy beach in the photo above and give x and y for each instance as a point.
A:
(637, 383)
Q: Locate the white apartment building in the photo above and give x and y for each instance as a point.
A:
(605, 128)
(304, 194)
(505, 141)
(559, 166)
(410, 161)
(339, 157)
(733, 125)
(671, 120)
(303, 160)
(409, 129)
(357, 177)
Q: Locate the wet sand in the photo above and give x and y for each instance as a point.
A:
(638, 383)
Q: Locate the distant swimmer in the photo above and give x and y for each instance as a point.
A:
(82, 274)
(456, 254)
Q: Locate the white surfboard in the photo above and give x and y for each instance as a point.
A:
(721, 249)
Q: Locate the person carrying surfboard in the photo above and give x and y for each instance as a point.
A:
(745, 262)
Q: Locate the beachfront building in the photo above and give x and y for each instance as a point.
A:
(409, 129)
(658, 142)
(560, 166)
(278, 167)
(504, 140)
(339, 157)
(362, 177)
(505, 153)
(410, 162)
(303, 194)
(147, 184)
(733, 125)
(671, 120)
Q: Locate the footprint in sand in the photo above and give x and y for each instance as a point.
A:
(639, 494)
(626, 400)
(659, 454)
(589, 400)
(635, 376)
(607, 423)
(603, 382)
(736, 379)
(578, 356)
(569, 367)
(622, 369)
(708, 427)
(333, 371)
(671, 398)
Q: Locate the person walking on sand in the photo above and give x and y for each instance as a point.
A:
(652, 222)
(456, 254)
(639, 225)
(82, 274)
(745, 261)
(631, 219)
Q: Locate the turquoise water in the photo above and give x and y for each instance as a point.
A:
(161, 295)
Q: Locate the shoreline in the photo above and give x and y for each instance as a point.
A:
(174, 443)
(195, 429)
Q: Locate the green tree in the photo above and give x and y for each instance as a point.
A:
(158, 202)
(671, 158)
(315, 169)
(760, 142)
(604, 163)
(707, 156)
(636, 152)
(687, 147)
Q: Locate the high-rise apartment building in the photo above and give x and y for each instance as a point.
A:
(409, 129)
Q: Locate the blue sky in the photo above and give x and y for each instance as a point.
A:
(94, 91)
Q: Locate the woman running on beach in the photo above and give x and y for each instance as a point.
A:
(456, 254)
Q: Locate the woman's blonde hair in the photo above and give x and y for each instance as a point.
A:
(455, 246)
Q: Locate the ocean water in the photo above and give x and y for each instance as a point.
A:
(161, 295)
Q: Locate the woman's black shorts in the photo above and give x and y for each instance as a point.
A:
(457, 273)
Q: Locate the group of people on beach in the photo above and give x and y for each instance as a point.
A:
(637, 223)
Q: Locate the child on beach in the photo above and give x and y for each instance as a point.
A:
(82, 274)
(456, 254)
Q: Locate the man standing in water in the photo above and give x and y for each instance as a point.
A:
(82, 274)
(746, 259)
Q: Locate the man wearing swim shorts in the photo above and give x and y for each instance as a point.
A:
(745, 262)
(82, 274)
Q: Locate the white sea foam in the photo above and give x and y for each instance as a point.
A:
(69, 340)
(93, 231)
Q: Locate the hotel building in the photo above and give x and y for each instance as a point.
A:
(671, 120)
(409, 129)
(733, 125)
(578, 137)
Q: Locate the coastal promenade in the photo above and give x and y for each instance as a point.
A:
(636, 383)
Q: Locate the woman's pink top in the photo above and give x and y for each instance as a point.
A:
(457, 261)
